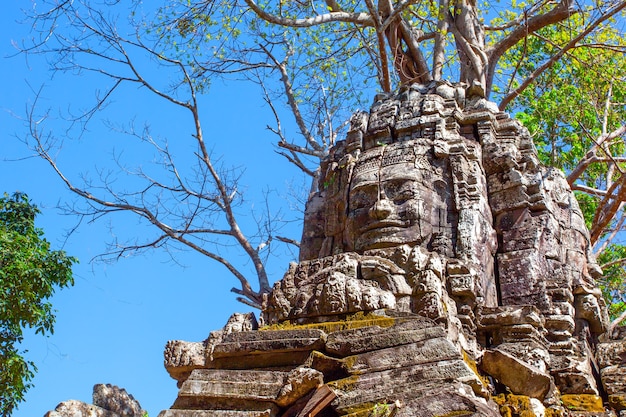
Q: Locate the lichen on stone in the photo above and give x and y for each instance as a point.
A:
(582, 402)
(350, 321)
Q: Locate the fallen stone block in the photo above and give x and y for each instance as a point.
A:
(583, 402)
(520, 377)
(297, 384)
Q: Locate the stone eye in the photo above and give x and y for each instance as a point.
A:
(403, 197)
(362, 198)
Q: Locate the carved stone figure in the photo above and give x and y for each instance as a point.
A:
(443, 271)
(436, 215)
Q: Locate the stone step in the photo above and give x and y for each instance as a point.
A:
(267, 348)
(428, 351)
(230, 389)
(365, 339)
(374, 386)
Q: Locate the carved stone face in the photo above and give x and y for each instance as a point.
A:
(386, 203)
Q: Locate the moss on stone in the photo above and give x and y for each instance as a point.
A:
(471, 363)
(345, 384)
(350, 362)
(582, 402)
(351, 321)
(512, 405)
(554, 412)
(361, 410)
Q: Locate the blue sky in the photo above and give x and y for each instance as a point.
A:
(113, 324)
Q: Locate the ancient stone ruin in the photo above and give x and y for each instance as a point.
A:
(443, 272)
(108, 401)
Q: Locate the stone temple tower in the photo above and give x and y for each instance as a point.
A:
(443, 271)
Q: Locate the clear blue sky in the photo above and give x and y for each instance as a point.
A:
(113, 324)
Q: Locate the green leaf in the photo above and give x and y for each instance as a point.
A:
(29, 274)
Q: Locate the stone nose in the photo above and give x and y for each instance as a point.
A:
(381, 209)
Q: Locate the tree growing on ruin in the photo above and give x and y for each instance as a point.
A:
(315, 62)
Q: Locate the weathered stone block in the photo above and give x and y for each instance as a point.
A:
(511, 404)
(431, 350)
(208, 389)
(116, 400)
(560, 322)
(611, 353)
(297, 384)
(530, 352)
(583, 402)
(614, 379)
(266, 348)
(618, 402)
(508, 200)
(532, 232)
(588, 308)
(350, 342)
(523, 278)
(578, 379)
(451, 400)
(520, 377)
(509, 315)
(183, 357)
(372, 386)
(462, 286)
(517, 333)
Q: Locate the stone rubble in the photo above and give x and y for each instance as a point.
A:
(108, 401)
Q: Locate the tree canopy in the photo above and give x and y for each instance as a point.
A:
(314, 63)
(30, 272)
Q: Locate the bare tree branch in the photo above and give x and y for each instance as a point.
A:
(363, 19)
(293, 104)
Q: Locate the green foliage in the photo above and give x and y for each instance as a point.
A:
(29, 274)
(567, 109)
(614, 278)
